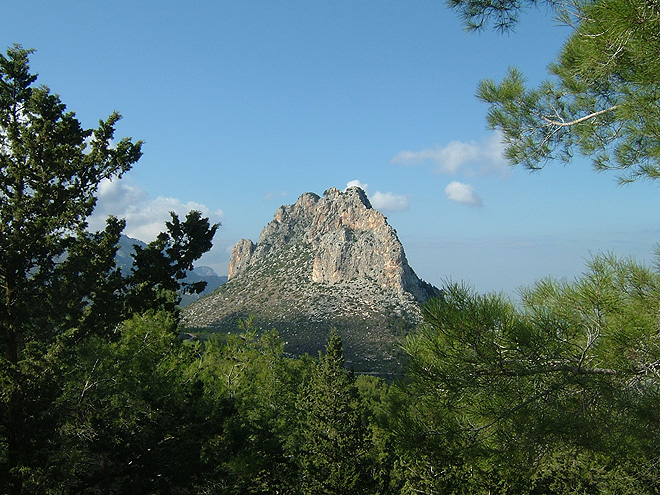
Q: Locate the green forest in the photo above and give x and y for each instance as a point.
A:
(555, 394)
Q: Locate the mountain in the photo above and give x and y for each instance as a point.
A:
(202, 274)
(321, 263)
(124, 256)
(124, 260)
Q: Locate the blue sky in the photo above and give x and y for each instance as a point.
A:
(245, 105)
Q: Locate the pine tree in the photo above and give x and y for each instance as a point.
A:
(551, 392)
(601, 100)
(332, 435)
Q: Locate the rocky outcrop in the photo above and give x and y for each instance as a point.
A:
(323, 262)
(241, 254)
(350, 240)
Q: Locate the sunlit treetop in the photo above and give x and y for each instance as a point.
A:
(601, 100)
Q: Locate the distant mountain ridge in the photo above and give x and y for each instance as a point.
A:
(124, 261)
(321, 263)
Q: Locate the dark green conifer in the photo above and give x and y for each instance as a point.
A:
(59, 284)
(333, 442)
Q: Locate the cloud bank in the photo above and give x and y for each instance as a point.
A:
(382, 201)
(460, 157)
(145, 218)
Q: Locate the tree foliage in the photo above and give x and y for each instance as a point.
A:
(562, 386)
(502, 14)
(137, 415)
(60, 286)
(159, 268)
(602, 99)
(332, 443)
(53, 275)
(252, 370)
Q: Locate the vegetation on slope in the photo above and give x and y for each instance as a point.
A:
(277, 294)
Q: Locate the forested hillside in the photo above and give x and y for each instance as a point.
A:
(556, 394)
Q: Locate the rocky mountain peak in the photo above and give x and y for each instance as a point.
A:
(348, 238)
(322, 262)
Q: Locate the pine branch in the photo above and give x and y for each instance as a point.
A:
(581, 119)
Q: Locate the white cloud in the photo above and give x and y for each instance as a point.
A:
(117, 195)
(463, 193)
(146, 221)
(468, 158)
(357, 183)
(382, 201)
(390, 202)
(145, 218)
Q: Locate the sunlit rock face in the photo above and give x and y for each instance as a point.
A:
(349, 239)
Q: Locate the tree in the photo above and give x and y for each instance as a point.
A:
(565, 386)
(138, 414)
(52, 273)
(159, 268)
(379, 406)
(332, 444)
(59, 282)
(602, 100)
(252, 370)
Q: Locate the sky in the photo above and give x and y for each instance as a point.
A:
(245, 105)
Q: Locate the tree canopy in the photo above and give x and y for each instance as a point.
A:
(564, 385)
(601, 100)
(60, 285)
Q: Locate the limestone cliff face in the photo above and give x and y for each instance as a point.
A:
(240, 257)
(321, 263)
(349, 239)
